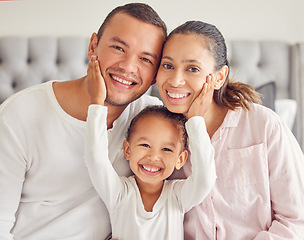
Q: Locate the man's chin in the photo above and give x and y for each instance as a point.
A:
(115, 103)
(118, 102)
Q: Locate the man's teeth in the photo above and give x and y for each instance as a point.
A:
(151, 169)
(177, 95)
(121, 80)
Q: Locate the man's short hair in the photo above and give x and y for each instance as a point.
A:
(140, 11)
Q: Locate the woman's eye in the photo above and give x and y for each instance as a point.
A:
(193, 69)
(167, 66)
(167, 150)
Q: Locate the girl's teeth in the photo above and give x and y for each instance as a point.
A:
(177, 95)
(121, 80)
(150, 169)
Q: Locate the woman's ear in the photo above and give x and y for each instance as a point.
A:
(93, 45)
(126, 149)
(220, 77)
(181, 159)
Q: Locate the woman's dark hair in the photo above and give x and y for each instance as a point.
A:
(231, 94)
(177, 119)
(140, 11)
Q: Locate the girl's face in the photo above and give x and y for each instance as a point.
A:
(185, 64)
(154, 149)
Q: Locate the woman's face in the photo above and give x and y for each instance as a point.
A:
(185, 64)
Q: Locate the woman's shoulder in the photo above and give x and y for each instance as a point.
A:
(260, 112)
(257, 118)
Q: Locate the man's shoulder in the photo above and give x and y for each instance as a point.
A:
(27, 96)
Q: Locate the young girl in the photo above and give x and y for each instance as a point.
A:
(146, 205)
(259, 189)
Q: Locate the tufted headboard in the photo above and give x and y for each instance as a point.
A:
(25, 62)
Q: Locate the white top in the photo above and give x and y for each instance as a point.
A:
(129, 219)
(259, 191)
(43, 178)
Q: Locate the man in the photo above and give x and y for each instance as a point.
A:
(46, 192)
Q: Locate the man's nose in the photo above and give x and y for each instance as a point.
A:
(129, 63)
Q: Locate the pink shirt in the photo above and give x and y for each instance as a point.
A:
(259, 191)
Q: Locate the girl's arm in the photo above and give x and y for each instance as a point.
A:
(197, 186)
(104, 178)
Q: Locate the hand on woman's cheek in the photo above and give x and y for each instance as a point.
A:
(202, 102)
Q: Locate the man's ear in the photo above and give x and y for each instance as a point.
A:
(93, 45)
(220, 77)
(181, 159)
(126, 149)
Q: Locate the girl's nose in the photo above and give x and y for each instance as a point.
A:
(154, 155)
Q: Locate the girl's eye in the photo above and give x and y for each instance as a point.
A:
(167, 66)
(167, 150)
(193, 69)
(145, 145)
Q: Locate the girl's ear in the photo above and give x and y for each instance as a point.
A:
(126, 149)
(181, 159)
(220, 77)
(93, 45)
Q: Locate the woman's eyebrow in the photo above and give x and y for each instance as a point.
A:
(186, 60)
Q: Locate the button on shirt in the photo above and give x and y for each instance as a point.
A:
(259, 191)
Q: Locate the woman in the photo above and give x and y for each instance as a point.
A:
(259, 191)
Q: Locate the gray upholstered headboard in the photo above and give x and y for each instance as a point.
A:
(25, 62)
(28, 61)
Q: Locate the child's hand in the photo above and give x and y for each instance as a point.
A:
(201, 104)
(96, 84)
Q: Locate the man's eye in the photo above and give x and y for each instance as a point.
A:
(167, 150)
(118, 48)
(147, 60)
(167, 66)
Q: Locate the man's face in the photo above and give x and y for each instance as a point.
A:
(129, 52)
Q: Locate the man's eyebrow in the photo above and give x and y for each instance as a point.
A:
(151, 55)
(117, 39)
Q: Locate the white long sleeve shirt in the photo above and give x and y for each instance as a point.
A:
(129, 220)
(45, 188)
(259, 191)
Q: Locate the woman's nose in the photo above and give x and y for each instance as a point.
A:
(177, 79)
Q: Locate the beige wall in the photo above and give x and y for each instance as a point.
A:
(237, 19)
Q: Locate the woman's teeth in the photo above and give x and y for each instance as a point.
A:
(177, 95)
(121, 80)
